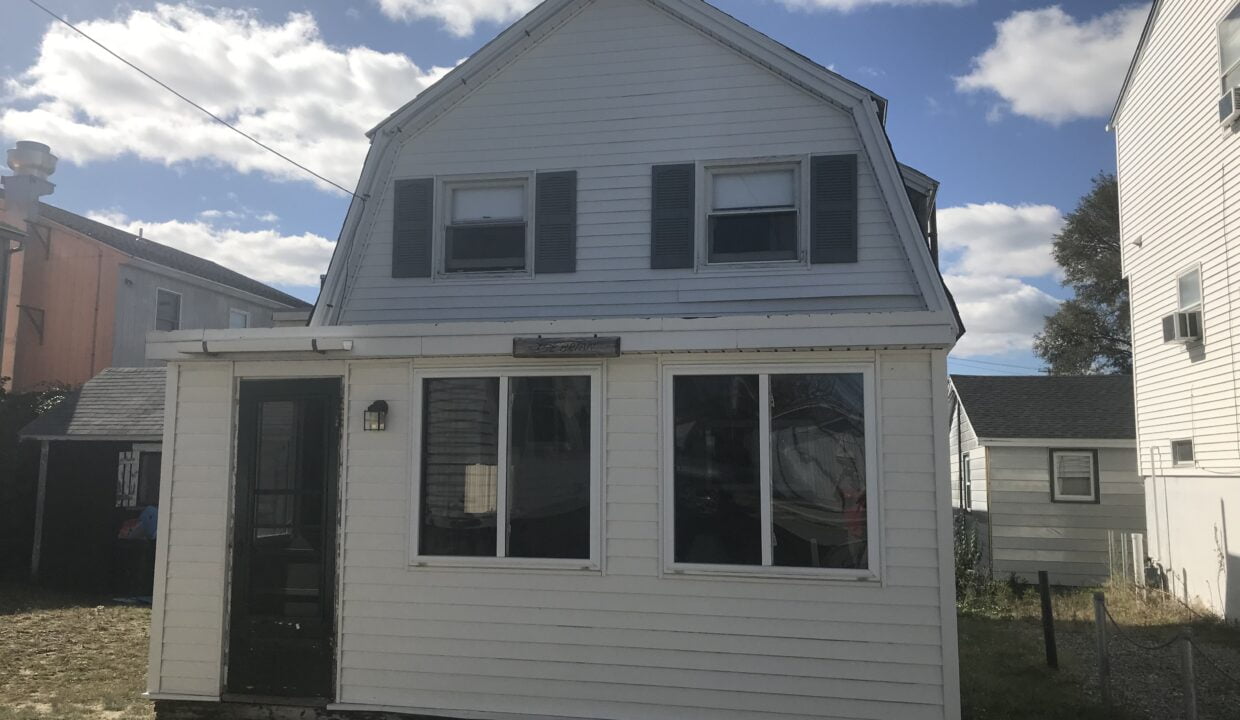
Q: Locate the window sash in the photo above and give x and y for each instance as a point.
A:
(768, 568)
(1188, 290)
(1067, 465)
(487, 203)
(502, 558)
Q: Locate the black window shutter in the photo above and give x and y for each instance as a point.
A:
(833, 209)
(672, 214)
(555, 222)
(413, 226)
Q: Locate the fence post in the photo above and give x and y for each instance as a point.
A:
(1104, 662)
(1048, 620)
(1190, 682)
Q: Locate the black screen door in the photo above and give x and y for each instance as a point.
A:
(281, 636)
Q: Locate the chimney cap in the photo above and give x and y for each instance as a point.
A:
(33, 159)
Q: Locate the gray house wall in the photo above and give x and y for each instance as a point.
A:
(204, 305)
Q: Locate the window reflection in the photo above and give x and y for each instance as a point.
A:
(717, 483)
(818, 493)
(460, 456)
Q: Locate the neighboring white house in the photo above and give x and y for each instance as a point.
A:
(1047, 467)
(626, 398)
(1178, 151)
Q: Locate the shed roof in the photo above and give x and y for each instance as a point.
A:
(116, 404)
(1098, 407)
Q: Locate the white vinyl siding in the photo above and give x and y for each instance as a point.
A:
(622, 87)
(1185, 219)
(1029, 532)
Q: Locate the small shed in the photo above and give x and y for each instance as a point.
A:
(99, 469)
(1046, 466)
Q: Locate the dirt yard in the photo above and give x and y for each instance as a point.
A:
(71, 658)
(1004, 674)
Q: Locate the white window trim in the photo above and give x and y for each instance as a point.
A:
(704, 202)
(1181, 463)
(504, 372)
(1094, 477)
(246, 313)
(873, 491)
(180, 307)
(1201, 293)
(1218, 41)
(444, 185)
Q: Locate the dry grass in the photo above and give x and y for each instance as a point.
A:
(1004, 674)
(71, 658)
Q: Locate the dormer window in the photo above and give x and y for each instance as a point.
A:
(487, 229)
(753, 215)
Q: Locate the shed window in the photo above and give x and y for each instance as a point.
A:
(508, 467)
(966, 483)
(753, 214)
(238, 319)
(1229, 49)
(1074, 476)
(1182, 452)
(167, 310)
(487, 228)
(771, 471)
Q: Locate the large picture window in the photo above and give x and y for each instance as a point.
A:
(508, 467)
(772, 470)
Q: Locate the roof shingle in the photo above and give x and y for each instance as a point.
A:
(118, 403)
(1096, 407)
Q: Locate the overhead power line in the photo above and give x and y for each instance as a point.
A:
(202, 109)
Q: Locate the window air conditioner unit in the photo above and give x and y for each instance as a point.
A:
(1229, 107)
(1182, 327)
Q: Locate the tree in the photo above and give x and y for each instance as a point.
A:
(1090, 334)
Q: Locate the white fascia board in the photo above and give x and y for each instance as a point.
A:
(1057, 442)
(909, 330)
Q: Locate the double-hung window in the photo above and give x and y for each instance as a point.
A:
(1074, 476)
(508, 467)
(753, 214)
(772, 470)
(1229, 49)
(167, 310)
(487, 228)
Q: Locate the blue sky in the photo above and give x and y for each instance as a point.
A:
(1004, 101)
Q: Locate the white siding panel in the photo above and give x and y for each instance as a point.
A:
(630, 641)
(1029, 533)
(621, 87)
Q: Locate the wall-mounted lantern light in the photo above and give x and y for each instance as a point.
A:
(376, 416)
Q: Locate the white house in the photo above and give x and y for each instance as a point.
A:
(1179, 162)
(1047, 468)
(626, 398)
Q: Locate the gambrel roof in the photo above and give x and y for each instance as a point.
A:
(1094, 407)
(785, 65)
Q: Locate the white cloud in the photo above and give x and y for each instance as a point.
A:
(265, 255)
(993, 238)
(990, 252)
(1050, 66)
(847, 5)
(1001, 314)
(459, 16)
(279, 82)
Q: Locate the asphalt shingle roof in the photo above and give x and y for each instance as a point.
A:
(169, 257)
(118, 403)
(1098, 407)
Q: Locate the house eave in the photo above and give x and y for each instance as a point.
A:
(1132, 65)
(854, 331)
(1059, 442)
